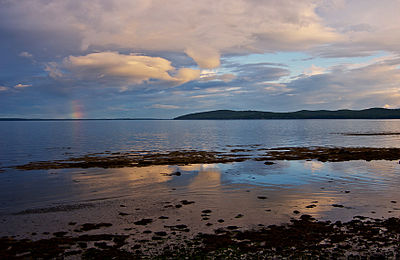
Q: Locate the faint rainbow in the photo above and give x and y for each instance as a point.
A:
(77, 109)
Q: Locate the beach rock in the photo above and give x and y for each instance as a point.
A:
(143, 222)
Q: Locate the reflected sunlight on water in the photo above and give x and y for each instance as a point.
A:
(255, 192)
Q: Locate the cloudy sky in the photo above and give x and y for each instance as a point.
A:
(157, 58)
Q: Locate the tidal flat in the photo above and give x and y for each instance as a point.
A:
(241, 202)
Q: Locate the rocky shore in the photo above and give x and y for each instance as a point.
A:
(303, 237)
(176, 227)
(147, 158)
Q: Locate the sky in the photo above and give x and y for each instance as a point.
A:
(162, 59)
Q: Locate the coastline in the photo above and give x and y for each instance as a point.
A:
(244, 223)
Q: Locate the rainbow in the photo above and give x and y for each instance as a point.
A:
(77, 109)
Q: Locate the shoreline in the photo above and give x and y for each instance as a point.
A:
(302, 237)
(176, 223)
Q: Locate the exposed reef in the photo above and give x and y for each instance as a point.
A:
(140, 159)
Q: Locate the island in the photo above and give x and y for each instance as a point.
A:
(371, 113)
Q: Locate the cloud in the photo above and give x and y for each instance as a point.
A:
(213, 75)
(161, 106)
(207, 58)
(366, 27)
(133, 68)
(314, 70)
(22, 85)
(26, 54)
(276, 88)
(2, 88)
(53, 70)
(259, 72)
(351, 85)
(204, 30)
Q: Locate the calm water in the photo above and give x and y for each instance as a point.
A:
(363, 188)
(32, 141)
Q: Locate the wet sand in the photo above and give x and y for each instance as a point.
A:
(231, 209)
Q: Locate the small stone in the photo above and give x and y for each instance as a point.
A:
(161, 233)
(232, 227)
(143, 222)
(186, 202)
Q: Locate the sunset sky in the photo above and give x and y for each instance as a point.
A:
(157, 58)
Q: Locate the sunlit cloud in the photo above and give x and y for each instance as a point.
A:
(202, 29)
(135, 69)
(149, 56)
(19, 85)
(26, 54)
(161, 106)
(314, 70)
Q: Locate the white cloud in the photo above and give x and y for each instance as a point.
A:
(26, 54)
(314, 70)
(211, 75)
(202, 29)
(135, 69)
(376, 83)
(53, 70)
(367, 26)
(2, 88)
(161, 106)
(22, 85)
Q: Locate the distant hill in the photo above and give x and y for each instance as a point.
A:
(371, 113)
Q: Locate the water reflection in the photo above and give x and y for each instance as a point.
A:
(244, 194)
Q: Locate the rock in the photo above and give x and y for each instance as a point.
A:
(161, 233)
(269, 163)
(186, 202)
(311, 206)
(143, 222)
